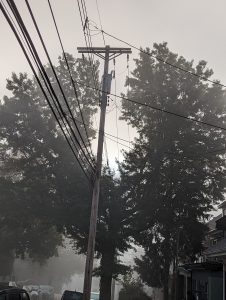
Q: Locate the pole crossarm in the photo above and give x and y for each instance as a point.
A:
(99, 50)
(113, 52)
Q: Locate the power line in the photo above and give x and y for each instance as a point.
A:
(161, 59)
(61, 89)
(84, 9)
(36, 76)
(162, 110)
(158, 109)
(87, 37)
(184, 156)
(16, 28)
(41, 69)
(98, 11)
(70, 74)
(86, 30)
(108, 135)
(117, 142)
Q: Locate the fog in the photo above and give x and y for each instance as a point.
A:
(138, 191)
(59, 272)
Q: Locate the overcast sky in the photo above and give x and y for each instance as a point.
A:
(192, 28)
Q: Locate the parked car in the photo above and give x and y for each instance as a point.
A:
(71, 295)
(13, 293)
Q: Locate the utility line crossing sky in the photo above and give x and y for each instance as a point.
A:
(194, 29)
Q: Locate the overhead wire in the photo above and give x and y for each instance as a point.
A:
(46, 80)
(172, 65)
(161, 59)
(89, 45)
(86, 32)
(116, 141)
(88, 40)
(163, 110)
(70, 75)
(108, 135)
(16, 28)
(84, 9)
(37, 59)
(89, 160)
(178, 157)
(12, 7)
(98, 11)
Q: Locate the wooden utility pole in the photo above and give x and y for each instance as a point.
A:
(107, 54)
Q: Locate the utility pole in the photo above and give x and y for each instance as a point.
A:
(107, 53)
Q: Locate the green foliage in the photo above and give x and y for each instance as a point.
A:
(171, 180)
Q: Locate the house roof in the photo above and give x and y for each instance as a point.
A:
(208, 266)
(212, 223)
(219, 249)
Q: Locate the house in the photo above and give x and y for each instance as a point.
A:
(205, 280)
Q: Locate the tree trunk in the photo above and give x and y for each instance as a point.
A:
(106, 264)
(166, 281)
(105, 287)
(166, 290)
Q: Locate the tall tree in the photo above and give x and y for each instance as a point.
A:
(174, 174)
(39, 174)
(113, 233)
(46, 184)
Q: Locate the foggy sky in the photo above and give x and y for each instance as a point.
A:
(194, 29)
